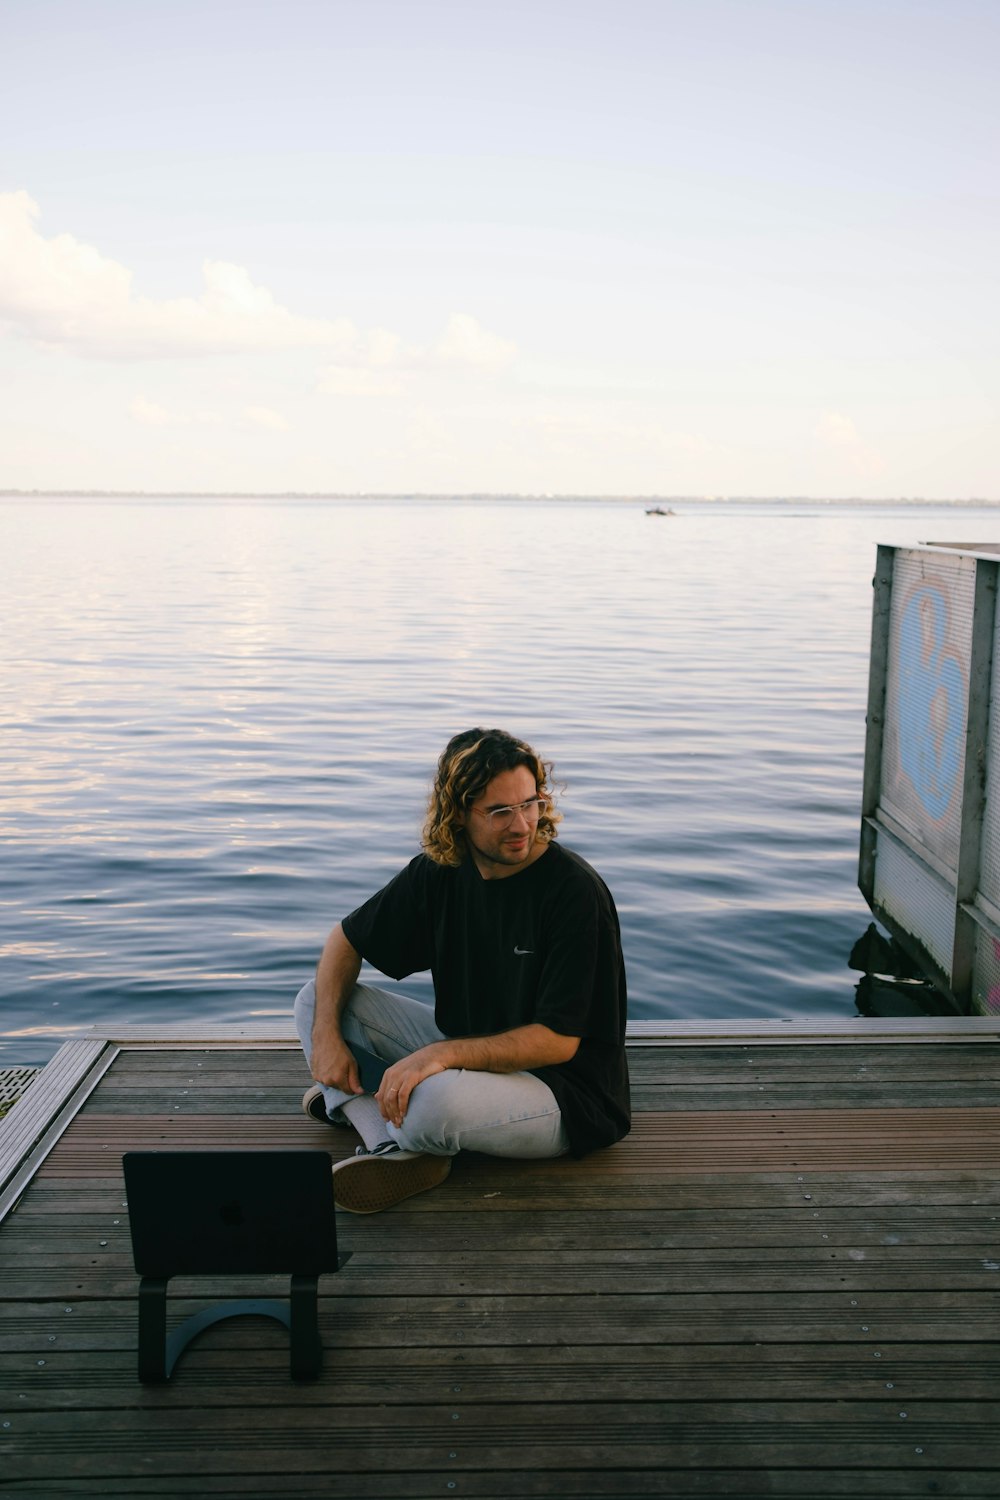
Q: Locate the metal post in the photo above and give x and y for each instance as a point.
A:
(306, 1355)
(153, 1329)
(974, 779)
(875, 719)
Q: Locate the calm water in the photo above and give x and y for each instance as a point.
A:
(218, 722)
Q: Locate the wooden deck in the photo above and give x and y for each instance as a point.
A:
(784, 1283)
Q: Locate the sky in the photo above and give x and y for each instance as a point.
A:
(613, 247)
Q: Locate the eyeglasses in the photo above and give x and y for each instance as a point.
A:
(500, 818)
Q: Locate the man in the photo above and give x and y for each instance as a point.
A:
(523, 1054)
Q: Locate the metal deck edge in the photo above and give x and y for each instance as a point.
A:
(761, 1032)
(34, 1125)
(816, 1032)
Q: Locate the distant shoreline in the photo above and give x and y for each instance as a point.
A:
(489, 497)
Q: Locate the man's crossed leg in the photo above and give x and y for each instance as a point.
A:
(500, 1114)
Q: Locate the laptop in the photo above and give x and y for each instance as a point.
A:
(201, 1213)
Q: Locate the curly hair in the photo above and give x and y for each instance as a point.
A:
(469, 763)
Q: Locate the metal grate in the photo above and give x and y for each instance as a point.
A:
(13, 1083)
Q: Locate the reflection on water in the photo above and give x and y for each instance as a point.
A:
(892, 983)
(219, 722)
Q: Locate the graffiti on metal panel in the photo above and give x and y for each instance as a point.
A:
(931, 701)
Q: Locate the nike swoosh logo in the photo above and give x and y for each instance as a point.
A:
(521, 951)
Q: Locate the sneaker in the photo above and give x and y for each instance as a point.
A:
(314, 1105)
(370, 1181)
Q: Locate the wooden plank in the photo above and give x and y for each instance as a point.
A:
(800, 1058)
(670, 1277)
(906, 1238)
(874, 1063)
(34, 1232)
(737, 1483)
(711, 1064)
(295, 1439)
(473, 1192)
(78, 1380)
(90, 1272)
(752, 1141)
(577, 1484)
(173, 1099)
(138, 1067)
(874, 1320)
(672, 1098)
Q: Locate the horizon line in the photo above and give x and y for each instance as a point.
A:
(419, 495)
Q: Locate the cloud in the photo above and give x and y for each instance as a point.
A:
(380, 364)
(837, 431)
(464, 342)
(567, 431)
(152, 414)
(263, 416)
(64, 293)
(340, 380)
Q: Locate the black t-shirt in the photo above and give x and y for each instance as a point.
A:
(540, 946)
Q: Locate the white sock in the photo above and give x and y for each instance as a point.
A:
(366, 1117)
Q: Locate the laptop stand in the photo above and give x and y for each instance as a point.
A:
(230, 1213)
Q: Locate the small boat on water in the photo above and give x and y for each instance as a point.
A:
(657, 510)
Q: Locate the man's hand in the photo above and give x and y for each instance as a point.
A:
(333, 1063)
(401, 1078)
(531, 1046)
